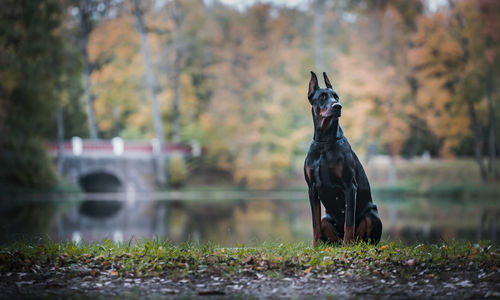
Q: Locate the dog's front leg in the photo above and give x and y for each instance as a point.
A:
(350, 212)
(316, 214)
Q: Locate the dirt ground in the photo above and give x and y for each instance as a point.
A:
(453, 285)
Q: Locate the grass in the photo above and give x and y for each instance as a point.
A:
(163, 258)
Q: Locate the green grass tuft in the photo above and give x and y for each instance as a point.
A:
(158, 257)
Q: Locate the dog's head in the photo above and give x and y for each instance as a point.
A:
(325, 102)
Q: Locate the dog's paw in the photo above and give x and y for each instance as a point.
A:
(348, 235)
(347, 242)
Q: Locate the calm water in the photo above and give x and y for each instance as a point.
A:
(231, 218)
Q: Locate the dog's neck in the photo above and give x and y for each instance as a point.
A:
(332, 132)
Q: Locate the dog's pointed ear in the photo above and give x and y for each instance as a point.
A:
(327, 81)
(313, 85)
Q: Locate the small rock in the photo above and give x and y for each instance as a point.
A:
(169, 291)
(411, 262)
(20, 283)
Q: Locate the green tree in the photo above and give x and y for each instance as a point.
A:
(30, 59)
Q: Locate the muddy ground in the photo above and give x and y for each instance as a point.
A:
(447, 285)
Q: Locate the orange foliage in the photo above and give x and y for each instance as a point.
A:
(249, 109)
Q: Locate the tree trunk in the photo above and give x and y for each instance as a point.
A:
(392, 174)
(413, 118)
(413, 139)
(478, 139)
(491, 135)
(85, 29)
(476, 129)
(116, 125)
(151, 85)
(60, 139)
(176, 120)
(319, 6)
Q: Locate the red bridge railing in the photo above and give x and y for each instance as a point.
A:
(107, 147)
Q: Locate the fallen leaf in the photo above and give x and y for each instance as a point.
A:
(411, 262)
(114, 273)
(249, 260)
(327, 249)
(384, 247)
(308, 270)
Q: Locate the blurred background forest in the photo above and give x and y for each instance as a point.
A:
(415, 77)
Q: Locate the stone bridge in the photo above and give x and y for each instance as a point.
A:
(117, 178)
(116, 165)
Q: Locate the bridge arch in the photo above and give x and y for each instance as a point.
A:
(100, 181)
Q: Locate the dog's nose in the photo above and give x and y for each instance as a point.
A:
(336, 105)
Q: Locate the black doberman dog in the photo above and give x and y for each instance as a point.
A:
(335, 176)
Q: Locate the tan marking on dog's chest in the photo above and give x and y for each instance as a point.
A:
(309, 169)
(336, 168)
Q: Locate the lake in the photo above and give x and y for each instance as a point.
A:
(230, 218)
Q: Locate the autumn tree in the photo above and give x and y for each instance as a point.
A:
(374, 75)
(455, 73)
(234, 80)
(490, 31)
(255, 118)
(152, 87)
(118, 83)
(90, 12)
(177, 15)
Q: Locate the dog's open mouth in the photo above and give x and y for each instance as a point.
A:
(327, 114)
(330, 113)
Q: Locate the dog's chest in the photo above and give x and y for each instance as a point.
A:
(325, 166)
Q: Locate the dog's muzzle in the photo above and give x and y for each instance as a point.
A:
(331, 111)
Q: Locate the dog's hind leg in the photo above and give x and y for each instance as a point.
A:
(369, 229)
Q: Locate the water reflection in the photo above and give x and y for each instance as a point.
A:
(100, 183)
(229, 222)
(27, 220)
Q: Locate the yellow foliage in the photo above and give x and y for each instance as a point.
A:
(254, 119)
